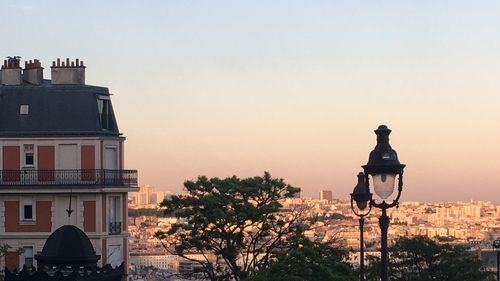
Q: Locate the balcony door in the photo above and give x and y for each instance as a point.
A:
(111, 164)
(67, 156)
(114, 214)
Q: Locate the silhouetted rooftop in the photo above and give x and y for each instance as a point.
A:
(56, 110)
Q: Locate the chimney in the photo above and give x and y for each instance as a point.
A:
(69, 73)
(11, 72)
(33, 72)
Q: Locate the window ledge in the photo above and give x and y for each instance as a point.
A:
(27, 222)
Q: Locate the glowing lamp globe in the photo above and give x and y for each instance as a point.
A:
(384, 185)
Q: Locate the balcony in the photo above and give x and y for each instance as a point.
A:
(29, 177)
(115, 227)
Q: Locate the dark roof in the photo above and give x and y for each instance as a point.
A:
(68, 245)
(54, 110)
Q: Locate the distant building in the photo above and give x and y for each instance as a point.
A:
(156, 260)
(146, 197)
(169, 262)
(60, 150)
(326, 195)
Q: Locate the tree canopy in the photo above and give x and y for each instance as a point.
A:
(233, 223)
(421, 259)
(307, 260)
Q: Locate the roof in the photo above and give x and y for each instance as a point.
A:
(68, 245)
(55, 110)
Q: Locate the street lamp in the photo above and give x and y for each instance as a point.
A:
(362, 208)
(496, 245)
(383, 168)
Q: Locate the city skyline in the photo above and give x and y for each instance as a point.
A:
(288, 87)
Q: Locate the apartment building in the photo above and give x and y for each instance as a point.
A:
(61, 161)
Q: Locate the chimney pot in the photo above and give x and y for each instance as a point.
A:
(11, 72)
(68, 73)
(33, 72)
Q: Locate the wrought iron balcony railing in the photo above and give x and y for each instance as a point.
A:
(115, 227)
(101, 177)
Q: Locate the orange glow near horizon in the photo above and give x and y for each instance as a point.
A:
(291, 87)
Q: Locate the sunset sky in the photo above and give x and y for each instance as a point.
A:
(296, 88)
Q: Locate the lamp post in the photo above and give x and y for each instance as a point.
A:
(496, 245)
(383, 168)
(362, 208)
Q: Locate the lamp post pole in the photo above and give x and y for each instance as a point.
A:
(361, 250)
(360, 199)
(496, 245)
(384, 255)
(383, 168)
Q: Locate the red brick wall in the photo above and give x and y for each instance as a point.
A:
(46, 161)
(88, 162)
(89, 216)
(12, 261)
(43, 221)
(11, 161)
(11, 158)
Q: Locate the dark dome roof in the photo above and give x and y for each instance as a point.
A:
(68, 245)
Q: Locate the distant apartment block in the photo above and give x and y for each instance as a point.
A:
(326, 195)
(166, 261)
(146, 197)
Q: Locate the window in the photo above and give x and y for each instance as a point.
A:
(29, 152)
(28, 256)
(115, 224)
(27, 209)
(115, 255)
(24, 109)
(28, 212)
(105, 111)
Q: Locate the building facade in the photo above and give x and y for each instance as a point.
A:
(61, 162)
(326, 195)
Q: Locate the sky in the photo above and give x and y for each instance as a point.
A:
(296, 88)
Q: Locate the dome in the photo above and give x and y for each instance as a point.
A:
(68, 245)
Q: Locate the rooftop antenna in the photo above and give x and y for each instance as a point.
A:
(12, 61)
(13, 57)
(69, 210)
